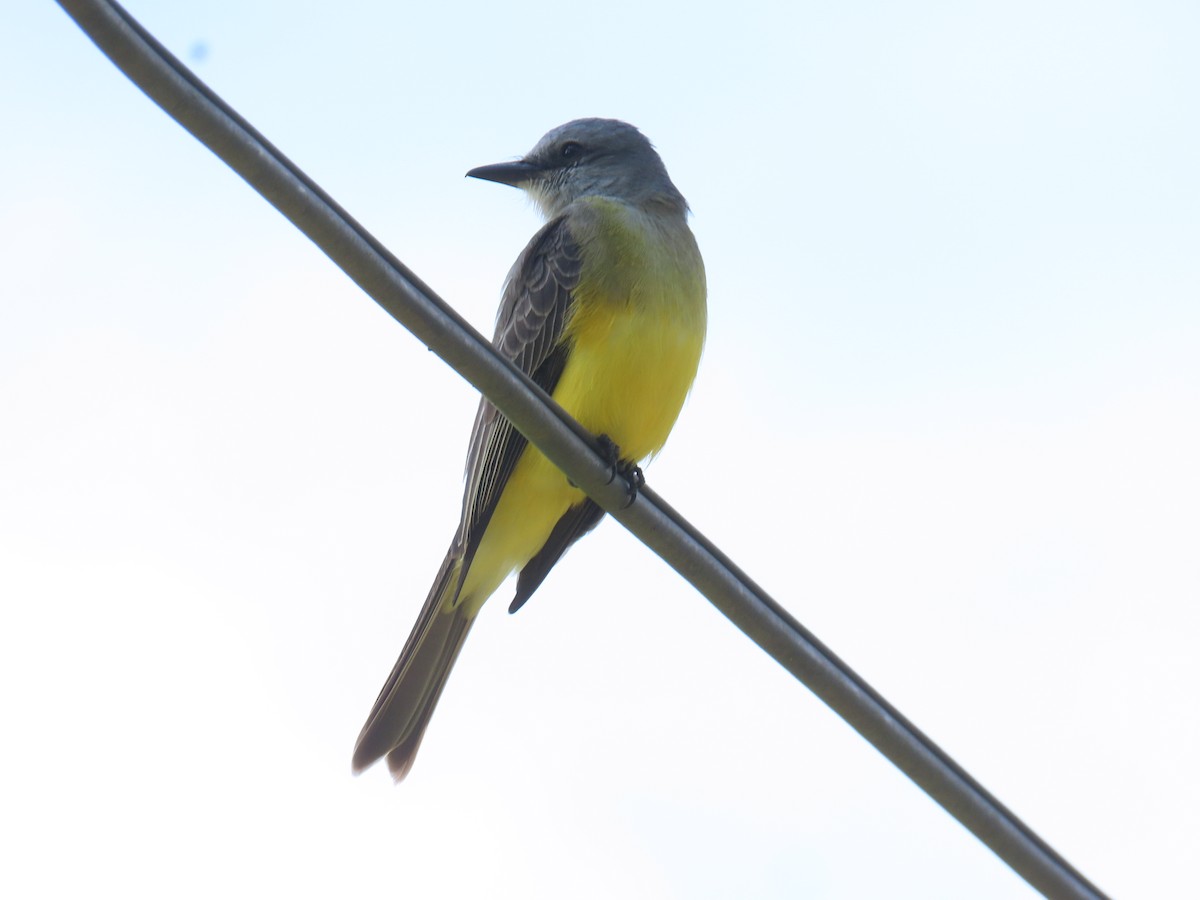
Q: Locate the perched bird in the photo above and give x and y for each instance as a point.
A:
(605, 310)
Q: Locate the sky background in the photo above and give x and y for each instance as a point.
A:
(949, 416)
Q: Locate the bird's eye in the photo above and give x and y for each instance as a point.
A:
(571, 149)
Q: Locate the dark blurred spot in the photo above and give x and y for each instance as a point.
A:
(198, 52)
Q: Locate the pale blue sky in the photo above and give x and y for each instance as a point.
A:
(949, 415)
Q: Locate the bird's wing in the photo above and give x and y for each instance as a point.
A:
(529, 331)
(574, 524)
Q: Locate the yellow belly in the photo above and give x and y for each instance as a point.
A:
(637, 332)
(637, 328)
(628, 377)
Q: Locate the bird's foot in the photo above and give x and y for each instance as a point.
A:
(629, 471)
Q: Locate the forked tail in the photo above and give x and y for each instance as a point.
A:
(401, 713)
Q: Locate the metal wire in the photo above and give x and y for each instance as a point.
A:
(186, 99)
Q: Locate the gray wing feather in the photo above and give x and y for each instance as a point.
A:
(529, 327)
(529, 331)
(574, 524)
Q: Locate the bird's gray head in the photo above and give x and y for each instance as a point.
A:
(589, 157)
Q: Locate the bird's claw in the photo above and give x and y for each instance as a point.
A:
(629, 471)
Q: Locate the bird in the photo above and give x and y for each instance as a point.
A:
(606, 310)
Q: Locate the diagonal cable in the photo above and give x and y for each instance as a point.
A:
(191, 103)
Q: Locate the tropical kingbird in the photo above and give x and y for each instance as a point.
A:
(605, 310)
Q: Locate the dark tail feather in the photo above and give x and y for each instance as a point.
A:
(401, 713)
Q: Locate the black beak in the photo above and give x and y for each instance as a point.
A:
(511, 173)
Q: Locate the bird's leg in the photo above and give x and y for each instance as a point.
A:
(629, 471)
